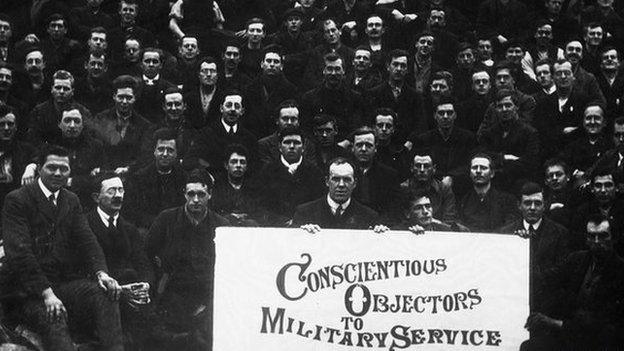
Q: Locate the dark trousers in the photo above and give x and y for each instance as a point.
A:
(89, 311)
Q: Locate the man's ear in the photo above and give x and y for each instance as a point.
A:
(327, 182)
(493, 173)
(94, 197)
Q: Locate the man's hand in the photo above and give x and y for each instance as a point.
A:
(447, 182)
(121, 170)
(345, 144)
(29, 174)
(501, 39)
(109, 285)
(523, 233)
(416, 229)
(55, 311)
(510, 157)
(556, 205)
(568, 130)
(31, 38)
(311, 228)
(380, 228)
(538, 321)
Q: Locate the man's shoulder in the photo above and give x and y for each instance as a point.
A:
(268, 141)
(511, 227)
(217, 220)
(313, 206)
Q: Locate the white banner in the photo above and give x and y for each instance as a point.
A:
(285, 289)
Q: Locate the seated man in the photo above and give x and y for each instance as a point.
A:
(325, 130)
(391, 150)
(338, 209)
(156, 186)
(484, 208)
(51, 251)
(124, 250)
(233, 197)
(419, 216)
(440, 196)
(582, 308)
(290, 181)
(181, 242)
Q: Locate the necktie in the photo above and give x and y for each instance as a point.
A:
(231, 131)
(51, 199)
(111, 222)
(339, 211)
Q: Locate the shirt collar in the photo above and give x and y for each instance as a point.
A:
(550, 90)
(334, 205)
(47, 192)
(104, 216)
(536, 226)
(227, 126)
(152, 81)
(292, 167)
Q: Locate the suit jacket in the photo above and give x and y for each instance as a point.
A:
(20, 155)
(196, 116)
(268, 149)
(356, 216)
(44, 120)
(379, 189)
(44, 246)
(261, 103)
(149, 103)
(124, 249)
(614, 94)
(405, 106)
(496, 210)
(587, 85)
(451, 156)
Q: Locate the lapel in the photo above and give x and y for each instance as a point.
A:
(62, 204)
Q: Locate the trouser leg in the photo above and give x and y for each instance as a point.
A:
(55, 334)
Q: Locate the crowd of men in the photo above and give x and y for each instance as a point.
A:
(131, 129)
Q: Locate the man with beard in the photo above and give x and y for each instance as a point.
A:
(266, 92)
(295, 44)
(125, 133)
(335, 98)
(181, 242)
(441, 197)
(423, 67)
(203, 99)
(124, 250)
(472, 110)
(338, 209)
(583, 152)
(59, 50)
(325, 129)
(231, 77)
(287, 117)
(542, 49)
(86, 153)
(514, 144)
(378, 184)
(560, 112)
(207, 152)
(449, 145)
(581, 309)
(7, 96)
(94, 89)
(233, 197)
(332, 44)
(44, 118)
(485, 208)
(504, 80)
(611, 81)
(15, 155)
(548, 239)
(287, 182)
(395, 94)
(584, 82)
(156, 186)
(152, 85)
(363, 77)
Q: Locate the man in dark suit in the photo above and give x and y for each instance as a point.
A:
(484, 208)
(611, 80)
(338, 209)
(583, 308)
(204, 98)
(152, 85)
(419, 216)
(289, 181)
(549, 240)
(124, 250)
(181, 241)
(51, 250)
(325, 130)
(215, 137)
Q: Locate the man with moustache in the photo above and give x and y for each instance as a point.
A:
(514, 144)
(584, 82)
(15, 155)
(581, 309)
(56, 279)
(94, 89)
(363, 77)
(124, 250)
(181, 242)
(44, 118)
(266, 92)
(485, 208)
(231, 77)
(37, 89)
(375, 41)
(156, 186)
